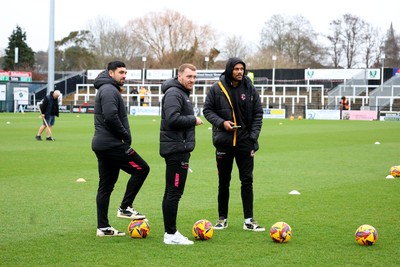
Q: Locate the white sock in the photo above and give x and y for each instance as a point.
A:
(248, 220)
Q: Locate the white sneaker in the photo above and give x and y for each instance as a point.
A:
(176, 239)
(130, 213)
(109, 231)
(253, 226)
(221, 223)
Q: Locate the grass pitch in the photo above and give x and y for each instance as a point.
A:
(48, 219)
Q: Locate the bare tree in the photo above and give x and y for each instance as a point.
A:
(123, 46)
(112, 42)
(336, 48)
(171, 39)
(357, 40)
(262, 59)
(300, 42)
(168, 39)
(371, 46)
(100, 27)
(273, 33)
(352, 38)
(235, 46)
(293, 39)
(380, 54)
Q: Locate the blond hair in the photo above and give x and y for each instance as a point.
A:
(185, 66)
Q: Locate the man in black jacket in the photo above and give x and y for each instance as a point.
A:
(112, 145)
(234, 109)
(177, 140)
(49, 110)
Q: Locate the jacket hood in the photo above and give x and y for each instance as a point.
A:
(104, 78)
(229, 68)
(173, 82)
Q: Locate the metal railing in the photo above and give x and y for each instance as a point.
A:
(281, 95)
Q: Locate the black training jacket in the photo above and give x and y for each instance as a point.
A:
(217, 108)
(177, 129)
(49, 101)
(111, 125)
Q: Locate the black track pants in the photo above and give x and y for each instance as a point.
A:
(110, 162)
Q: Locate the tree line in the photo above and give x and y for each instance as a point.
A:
(166, 39)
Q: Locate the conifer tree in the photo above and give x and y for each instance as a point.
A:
(26, 56)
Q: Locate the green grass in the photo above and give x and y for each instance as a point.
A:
(48, 219)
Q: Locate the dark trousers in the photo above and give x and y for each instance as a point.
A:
(177, 166)
(244, 157)
(110, 162)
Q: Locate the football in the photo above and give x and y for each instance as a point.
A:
(366, 235)
(139, 228)
(280, 232)
(395, 171)
(203, 230)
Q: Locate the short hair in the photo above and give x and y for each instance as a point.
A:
(113, 65)
(185, 66)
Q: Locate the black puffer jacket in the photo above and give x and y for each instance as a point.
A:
(177, 129)
(49, 101)
(111, 125)
(217, 108)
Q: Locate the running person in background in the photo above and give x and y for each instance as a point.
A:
(177, 140)
(112, 145)
(234, 109)
(49, 110)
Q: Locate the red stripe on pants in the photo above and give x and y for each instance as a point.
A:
(176, 179)
(134, 165)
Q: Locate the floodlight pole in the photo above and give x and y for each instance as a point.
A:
(383, 70)
(144, 68)
(273, 76)
(63, 75)
(382, 77)
(50, 70)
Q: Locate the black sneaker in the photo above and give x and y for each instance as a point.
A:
(50, 139)
(109, 231)
(221, 223)
(38, 137)
(253, 226)
(130, 213)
